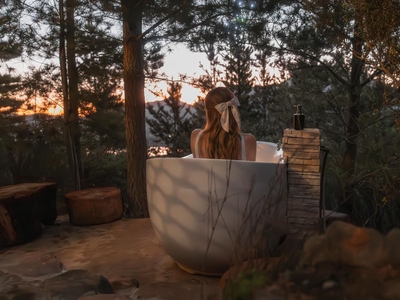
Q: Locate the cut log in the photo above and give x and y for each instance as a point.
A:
(22, 208)
(94, 206)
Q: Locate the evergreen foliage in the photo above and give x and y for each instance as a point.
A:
(237, 64)
(98, 52)
(32, 150)
(12, 33)
(238, 78)
(198, 114)
(341, 53)
(170, 122)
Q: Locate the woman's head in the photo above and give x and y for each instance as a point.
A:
(220, 141)
(213, 117)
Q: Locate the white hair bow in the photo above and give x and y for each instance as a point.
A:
(222, 108)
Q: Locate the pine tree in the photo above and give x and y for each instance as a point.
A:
(352, 42)
(229, 45)
(335, 53)
(238, 78)
(166, 21)
(170, 122)
(97, 54)
(198, 114)
(11, 47)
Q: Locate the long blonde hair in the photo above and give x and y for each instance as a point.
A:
(214, 141)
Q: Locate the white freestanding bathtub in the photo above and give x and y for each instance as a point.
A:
(204, 211)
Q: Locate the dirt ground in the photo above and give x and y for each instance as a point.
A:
(126, 252)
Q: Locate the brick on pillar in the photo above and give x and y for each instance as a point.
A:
(301, 149)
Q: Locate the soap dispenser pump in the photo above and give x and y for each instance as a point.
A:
(298, 119)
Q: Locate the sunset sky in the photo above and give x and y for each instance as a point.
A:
(181, 61)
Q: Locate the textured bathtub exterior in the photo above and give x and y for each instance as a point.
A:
(203, 210)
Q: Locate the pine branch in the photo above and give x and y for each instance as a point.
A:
(151, 28)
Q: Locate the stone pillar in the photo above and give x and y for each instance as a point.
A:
(301, 149)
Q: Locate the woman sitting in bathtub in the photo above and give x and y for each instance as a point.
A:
(221, 137)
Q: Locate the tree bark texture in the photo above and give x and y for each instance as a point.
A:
(73, 93)
(136, 144)
(64, 81)
(352, 128)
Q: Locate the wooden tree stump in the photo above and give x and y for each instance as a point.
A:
(301, 148)
(22, 208)
(94, 206)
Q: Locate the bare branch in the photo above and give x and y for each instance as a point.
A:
(141, 36)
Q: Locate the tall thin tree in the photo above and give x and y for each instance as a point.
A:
(135, 105)
(69, 77)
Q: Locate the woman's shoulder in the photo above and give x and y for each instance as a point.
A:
(195, 132)
(193, 137)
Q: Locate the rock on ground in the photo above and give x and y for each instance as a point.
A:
(126, 253)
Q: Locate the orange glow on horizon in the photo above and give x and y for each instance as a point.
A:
(189, 93)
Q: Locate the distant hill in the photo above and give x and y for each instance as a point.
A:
(35, 118)
(151, 138)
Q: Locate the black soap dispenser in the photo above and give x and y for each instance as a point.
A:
(298, 119)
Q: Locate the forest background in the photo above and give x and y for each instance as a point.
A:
(339, 59)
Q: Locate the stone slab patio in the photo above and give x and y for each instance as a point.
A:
(126, 252)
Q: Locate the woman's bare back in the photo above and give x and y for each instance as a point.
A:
(249, 139)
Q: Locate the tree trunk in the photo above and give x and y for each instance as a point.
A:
(353, 109)
(71, 110)
(64, 81)
(136, 144)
